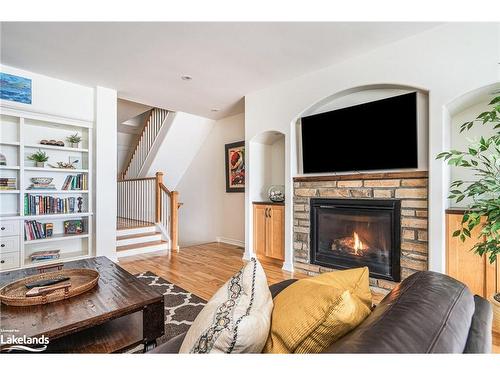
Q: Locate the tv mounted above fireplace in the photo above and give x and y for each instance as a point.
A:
(372, 136)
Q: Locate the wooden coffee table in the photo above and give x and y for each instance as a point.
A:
(120, 313)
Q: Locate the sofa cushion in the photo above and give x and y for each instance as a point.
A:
(427, 313)
(312, 313)
(236, 319)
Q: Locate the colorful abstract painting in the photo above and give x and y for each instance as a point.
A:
(235, 167)
(14, 88)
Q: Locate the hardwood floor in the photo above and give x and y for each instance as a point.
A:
(124, 223)
(200, 269)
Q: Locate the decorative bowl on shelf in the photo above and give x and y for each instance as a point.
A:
(276, 193)
(41, 180)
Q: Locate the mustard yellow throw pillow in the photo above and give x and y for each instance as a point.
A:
(313, 313)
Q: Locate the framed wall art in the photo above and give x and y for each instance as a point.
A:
(235, 167)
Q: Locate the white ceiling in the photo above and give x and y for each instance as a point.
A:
(144, 61)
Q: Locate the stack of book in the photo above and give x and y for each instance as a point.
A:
(42, 205)
(34, 230)
(38, 256)
(39, 186)
(7, 183)
(75, 182)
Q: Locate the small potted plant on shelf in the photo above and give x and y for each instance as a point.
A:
(483, 158)
(39, 157)
(74, 140)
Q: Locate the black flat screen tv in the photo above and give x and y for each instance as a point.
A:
(371, 136)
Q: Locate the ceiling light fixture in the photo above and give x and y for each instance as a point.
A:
(215, 110)
(186, 77)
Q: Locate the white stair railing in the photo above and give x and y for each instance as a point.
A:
(144, 143)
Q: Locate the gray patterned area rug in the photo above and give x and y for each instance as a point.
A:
(181, 306)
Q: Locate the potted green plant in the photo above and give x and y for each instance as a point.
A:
(74, 140)
(39, 157)
(483, 158)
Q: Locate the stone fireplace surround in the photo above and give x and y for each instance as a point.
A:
(409, 187)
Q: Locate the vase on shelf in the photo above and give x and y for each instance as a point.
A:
(40, 164)
(74, 145)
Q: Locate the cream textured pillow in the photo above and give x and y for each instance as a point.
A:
(236, 319)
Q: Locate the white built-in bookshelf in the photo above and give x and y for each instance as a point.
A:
(20, 135)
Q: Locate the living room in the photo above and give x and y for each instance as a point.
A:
(249, 187)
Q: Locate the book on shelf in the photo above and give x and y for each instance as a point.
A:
(43, 204)
(8, 183)
(75, 182)
(44, 255)
(34, 230)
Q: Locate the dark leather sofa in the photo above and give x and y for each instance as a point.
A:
(427, 313)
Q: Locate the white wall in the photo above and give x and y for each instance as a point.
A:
(209, 213)
(55, 97)
(180, 146)
(446, 62)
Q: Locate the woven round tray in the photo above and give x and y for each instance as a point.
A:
(82, 280)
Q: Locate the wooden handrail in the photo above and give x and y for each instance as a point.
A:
(148, 199)
(137, 179)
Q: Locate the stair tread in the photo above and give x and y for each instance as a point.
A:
(136, 235)
(140, 245)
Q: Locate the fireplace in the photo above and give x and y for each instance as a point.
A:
(348, 233)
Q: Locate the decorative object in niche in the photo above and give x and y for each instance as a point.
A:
(52, 142)
(39, 157)
(277, 193)
(235, 167)
(3, 159)
(15, 88)
(73, 162)
(74, 140)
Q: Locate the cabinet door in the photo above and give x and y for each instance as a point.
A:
(259, 229)
(275, 232)
(466, 266)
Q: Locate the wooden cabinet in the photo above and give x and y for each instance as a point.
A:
(269, 231)
(476, 272)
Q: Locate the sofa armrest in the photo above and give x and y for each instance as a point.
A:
(278, 287)
(480, 333)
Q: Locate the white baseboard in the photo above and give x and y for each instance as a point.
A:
(230, 241)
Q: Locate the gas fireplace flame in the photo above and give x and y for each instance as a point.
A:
(358, 244)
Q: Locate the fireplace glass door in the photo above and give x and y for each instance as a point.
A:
(348, 233)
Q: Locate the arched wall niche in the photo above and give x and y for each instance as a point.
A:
(464, 108)
(267, 158)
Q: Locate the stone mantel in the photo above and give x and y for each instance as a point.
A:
(363, 176)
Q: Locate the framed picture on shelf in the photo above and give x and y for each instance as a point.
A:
(235, 167)
(73, 227)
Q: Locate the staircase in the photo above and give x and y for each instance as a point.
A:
(147, 210)
(139, 240)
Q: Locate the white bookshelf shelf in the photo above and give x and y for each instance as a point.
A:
(63, 257)
(57, 216)
(58, 237)
(21, 132)
(47, 191)
(57, 170)
(58, 148)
